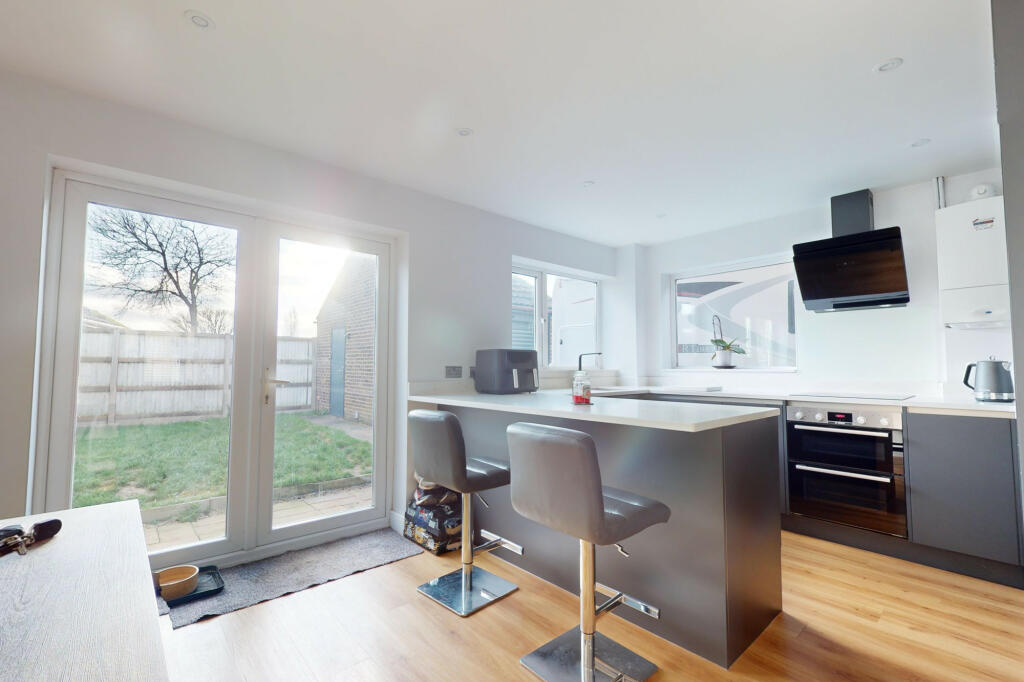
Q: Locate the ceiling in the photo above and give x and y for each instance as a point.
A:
(685, 115)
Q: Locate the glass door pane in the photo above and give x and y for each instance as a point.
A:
(524, 311)
(325, 379)
(570, 310)
(153, 397)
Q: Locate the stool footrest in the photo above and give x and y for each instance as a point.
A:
(623, 599)
(495, 541)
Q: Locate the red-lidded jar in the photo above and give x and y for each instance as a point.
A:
(580, 388)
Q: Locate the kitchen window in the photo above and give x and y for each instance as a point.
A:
(555, 315)
(756, 307)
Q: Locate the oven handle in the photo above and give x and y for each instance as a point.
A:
(845, 474)
(847, 432)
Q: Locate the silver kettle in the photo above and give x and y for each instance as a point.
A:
(992, 380)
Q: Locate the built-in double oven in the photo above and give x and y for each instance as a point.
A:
(846, 465)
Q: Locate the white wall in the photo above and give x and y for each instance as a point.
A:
(619, 317)
(890, 350)
(454, 265)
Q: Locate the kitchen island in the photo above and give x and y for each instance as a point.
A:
(714, 569)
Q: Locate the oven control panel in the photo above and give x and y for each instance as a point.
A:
(870, 416)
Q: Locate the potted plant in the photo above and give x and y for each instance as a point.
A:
(722, 358)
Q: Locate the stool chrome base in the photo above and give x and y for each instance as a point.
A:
(470, 594)
(559, 660)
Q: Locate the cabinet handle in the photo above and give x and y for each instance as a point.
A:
(845, 474)
(845, 432)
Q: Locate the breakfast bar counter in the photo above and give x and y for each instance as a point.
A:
(714, 569)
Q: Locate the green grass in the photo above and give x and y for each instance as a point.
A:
(163, 464)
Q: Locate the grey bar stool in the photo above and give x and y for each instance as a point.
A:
(556, 481)
(439, 456)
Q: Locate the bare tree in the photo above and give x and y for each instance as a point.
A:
(293, 321)
(161, 262)
(210, 321)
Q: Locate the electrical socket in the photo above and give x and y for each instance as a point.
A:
(453, 371)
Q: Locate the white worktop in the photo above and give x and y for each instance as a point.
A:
(675, 416)
(957, 404)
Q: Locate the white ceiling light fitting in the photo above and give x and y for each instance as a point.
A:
(659, 216)
(463, 132)
(588, 183)
(920, 142)
(889, 65)
(199, 20)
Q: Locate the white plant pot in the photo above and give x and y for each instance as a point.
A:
(723, 358)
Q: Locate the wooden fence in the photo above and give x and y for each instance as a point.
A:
(137, 376)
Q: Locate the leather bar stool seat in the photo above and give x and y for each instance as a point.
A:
(625, 515)
(485, 474)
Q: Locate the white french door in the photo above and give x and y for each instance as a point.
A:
(227, 371)
(322, 436)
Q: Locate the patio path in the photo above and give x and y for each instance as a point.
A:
(169, 534)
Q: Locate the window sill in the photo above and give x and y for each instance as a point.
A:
(569, 371)
(746, 370)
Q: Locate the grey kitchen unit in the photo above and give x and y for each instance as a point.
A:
(964, 485)
(714, 569)
(749, 402)
(963, 490)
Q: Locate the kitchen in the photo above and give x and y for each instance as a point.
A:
(928, 472)
(572, 341)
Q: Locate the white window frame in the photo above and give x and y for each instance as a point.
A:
(719, 269)
(540, 341)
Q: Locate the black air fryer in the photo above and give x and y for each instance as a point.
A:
(506, 370)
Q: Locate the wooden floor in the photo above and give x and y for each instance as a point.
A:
(848, 615)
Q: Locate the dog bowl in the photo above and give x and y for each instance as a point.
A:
(177, 581)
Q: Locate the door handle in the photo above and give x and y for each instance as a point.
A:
(844, 474)
(269, 383)
(845, 432)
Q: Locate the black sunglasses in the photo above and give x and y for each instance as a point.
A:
(17, 539)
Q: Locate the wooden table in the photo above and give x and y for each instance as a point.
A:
(81, 606)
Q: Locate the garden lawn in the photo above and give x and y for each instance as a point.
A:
(163, 464)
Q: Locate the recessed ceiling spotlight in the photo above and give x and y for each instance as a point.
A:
(199, 20)
(920, 142)
(889, 65)
(463, 132)
(588, 183)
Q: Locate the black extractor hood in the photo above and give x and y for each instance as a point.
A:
(859, 267)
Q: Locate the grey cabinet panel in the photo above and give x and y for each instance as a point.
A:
(962, 484)
(783, 472)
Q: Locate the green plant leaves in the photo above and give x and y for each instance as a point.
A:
(722, 344)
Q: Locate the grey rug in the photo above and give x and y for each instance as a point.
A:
(258, 581)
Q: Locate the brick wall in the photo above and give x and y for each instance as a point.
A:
(351, 305)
